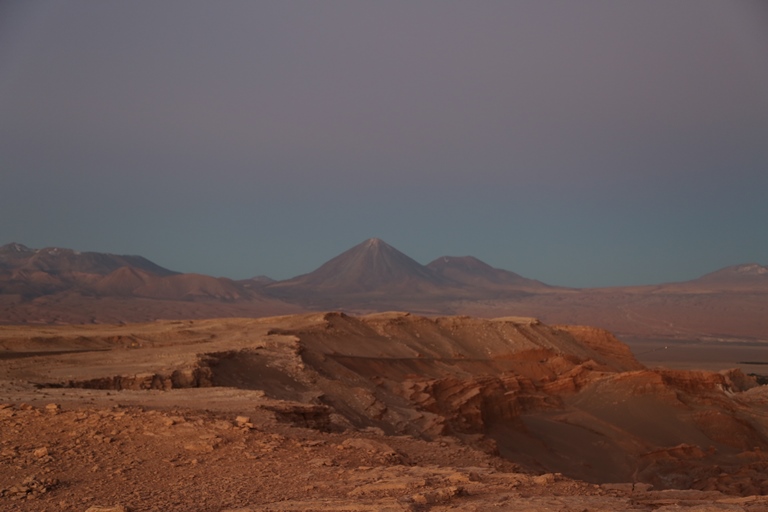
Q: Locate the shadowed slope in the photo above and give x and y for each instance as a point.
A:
(567, 399)
(191, 286)
(64, 262)
(471, 271)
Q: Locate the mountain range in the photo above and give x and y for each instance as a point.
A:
(375, 271)
(62, 285)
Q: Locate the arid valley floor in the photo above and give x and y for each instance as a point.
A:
(391, 411)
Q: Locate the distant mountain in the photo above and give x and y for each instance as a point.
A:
(38, 272)
(57, 261)
(123, 281)
(374, 276)
(129, 281)
(62, 285)
(370, 267)
(66, 286)
(192, 287)
(743, 278)
(748, 274)
(257, 281)
(470, 271)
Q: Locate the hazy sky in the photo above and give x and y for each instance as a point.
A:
(580, 143)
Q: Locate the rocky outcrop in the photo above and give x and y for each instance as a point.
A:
(567, 400)
(187, 378)
(612, 351)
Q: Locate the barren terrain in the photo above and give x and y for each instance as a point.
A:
(55, 285)
(391, 411)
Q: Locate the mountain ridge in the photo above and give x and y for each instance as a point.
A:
(727, 304)
(386, 262)
(35, 273)
(470, 270)
(62, 261)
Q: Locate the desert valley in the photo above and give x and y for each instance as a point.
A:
(56, 285)
(376, 383)
(566, 310)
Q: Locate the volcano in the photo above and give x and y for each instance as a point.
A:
(370, 267)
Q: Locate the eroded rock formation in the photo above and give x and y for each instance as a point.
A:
(567, 400)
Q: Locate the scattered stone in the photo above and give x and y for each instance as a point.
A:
(381, 451)
(41, 452)
(435, 496)
(30, 488)
(397, 484)
(243, 422)
(320, 462)
(200, 446)
(545, 479)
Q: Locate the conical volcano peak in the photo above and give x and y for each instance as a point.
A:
(375, 244)
(371, 266)
(375, 248)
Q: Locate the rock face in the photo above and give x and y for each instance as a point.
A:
(334, 400)
(604, 343)
(567, 399)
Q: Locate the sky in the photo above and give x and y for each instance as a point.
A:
(590, 143)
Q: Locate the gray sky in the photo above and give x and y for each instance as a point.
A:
(581, 143)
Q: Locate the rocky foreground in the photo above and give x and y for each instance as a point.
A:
(128, 458)
(386, 412)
